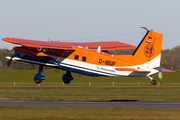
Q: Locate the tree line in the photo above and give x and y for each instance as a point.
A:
(170, 59)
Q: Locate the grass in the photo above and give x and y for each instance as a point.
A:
(83, 92)
(26, 76)
(165, 94)
(39, 113)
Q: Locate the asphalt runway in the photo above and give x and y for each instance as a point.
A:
(108, 104)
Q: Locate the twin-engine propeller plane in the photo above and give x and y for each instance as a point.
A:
(91, 58)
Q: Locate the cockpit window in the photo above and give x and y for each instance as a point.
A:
(44, 50)
(38, 49)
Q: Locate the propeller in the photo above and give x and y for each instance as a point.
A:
(10, 61)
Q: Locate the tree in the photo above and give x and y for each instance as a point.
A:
(170, 58)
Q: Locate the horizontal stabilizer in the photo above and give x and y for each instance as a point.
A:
(132, 69)
(164, 70)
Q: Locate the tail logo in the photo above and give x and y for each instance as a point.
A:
(149, 50)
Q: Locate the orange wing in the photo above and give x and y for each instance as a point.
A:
(69, 45)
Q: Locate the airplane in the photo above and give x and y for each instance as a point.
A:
(91, 58)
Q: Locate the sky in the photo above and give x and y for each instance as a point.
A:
(89, 20)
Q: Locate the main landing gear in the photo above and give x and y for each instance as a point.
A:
(153, 82)
(39, 76)
(67, 77)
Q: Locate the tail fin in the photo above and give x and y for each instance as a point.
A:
(149, 50)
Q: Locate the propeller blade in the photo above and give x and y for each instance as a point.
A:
(10, 61)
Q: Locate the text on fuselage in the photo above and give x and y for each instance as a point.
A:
(107, 62)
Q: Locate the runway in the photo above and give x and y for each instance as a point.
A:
(95, 104)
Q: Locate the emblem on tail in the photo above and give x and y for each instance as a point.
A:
(149, 50)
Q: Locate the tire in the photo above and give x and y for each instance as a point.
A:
(66, 81)
(37, 81)
(153, 82)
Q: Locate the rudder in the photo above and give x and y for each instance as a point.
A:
(149, 50)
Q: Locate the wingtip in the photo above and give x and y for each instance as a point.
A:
(7, 39)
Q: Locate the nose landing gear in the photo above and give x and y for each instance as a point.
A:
(39, 76)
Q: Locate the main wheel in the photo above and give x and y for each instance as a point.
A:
(153, 82)
(37, 81)
(67, 77)
(66, 81)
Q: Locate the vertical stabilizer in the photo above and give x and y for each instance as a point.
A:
(148, 51)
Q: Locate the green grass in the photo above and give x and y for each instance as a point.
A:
(84, 92)
(39, 113)
(66, 93)
(26, 76)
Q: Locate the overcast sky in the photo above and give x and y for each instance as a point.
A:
(76, 20)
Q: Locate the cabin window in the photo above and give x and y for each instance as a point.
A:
(76, 57)
(83, 58)
(65, 54)
(54, 52)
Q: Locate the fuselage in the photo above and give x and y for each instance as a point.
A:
(82, 60)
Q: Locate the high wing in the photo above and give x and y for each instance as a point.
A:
(35, 43)
(68, 45)
(114, 45)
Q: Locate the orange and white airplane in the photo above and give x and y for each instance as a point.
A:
(91, 59)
